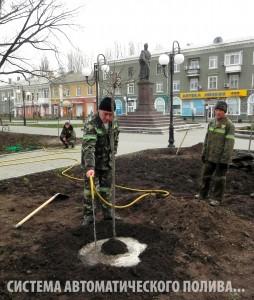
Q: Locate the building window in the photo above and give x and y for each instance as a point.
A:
(194, 64)
(159, 87)
(104, 92)
(158, 69)
(89, 90)
(251, 105)
(177, 106)
(176, 85)
(130, 88)
(78, 91)
(66, 92)
(212, 82)
(233, 105)
(213, 62)
(159, 105)
(233, 59)
(131, 104)
(233, 81)
(193, 108)
(130, 72)
(193, 84)
(176, 68)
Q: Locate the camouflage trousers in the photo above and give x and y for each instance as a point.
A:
(102, 181)
(217, 172)
(69, 141)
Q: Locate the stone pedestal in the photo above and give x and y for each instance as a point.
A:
(145, 98)
(146, 118)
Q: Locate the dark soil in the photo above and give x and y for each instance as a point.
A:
(114, 247)
(16, 142)
(187, 239)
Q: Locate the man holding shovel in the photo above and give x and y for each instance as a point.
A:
(96, 157)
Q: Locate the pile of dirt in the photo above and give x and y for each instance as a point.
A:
(187, 239)
(15, 142)
(114, 247)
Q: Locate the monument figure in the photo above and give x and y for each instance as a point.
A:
(144, 62)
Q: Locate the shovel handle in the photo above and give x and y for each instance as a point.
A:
(35, 211)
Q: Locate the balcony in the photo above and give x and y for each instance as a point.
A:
(233, 69)
(192, 70)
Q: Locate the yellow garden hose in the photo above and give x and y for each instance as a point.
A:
(93, 190)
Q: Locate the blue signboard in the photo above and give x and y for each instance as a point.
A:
(193, 107)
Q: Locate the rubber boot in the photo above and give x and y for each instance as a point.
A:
(219, 188)
(204, 189)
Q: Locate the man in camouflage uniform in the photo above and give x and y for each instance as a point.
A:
(96, 157)
(217, 153)
(68, 135)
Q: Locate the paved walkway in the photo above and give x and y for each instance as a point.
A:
(128, 143)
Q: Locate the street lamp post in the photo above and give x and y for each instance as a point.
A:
(96, 73)
(9, 105)
(22, 93)
(24, 107)
(175, 57)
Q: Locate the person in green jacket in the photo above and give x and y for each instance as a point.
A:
(216, 155)
(68, 135)
(96, 157)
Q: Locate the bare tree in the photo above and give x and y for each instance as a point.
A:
(108, 54)
(1, 5)
(44, 66)
(131, 48)
(38, 23)
(75, 62)
(119, 51)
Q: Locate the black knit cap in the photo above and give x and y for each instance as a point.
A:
(106, 104)
(222, 105)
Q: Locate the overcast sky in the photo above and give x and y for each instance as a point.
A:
(101, 23)
(160, 22)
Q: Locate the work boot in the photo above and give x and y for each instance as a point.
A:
(213, 202)
(204, 189)
(87, 220)
(199, 197)
(72, 145)
(219, 188)
(66, 146)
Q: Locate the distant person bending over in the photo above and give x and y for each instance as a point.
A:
(68, 135)
(217, 152)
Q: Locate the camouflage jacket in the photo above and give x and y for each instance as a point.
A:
(96, 151)
(219, 141)
(68, 132)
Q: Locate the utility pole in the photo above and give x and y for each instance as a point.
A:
(9, 99)
(24, 107)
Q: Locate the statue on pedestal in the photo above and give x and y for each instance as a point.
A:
(144, 62)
